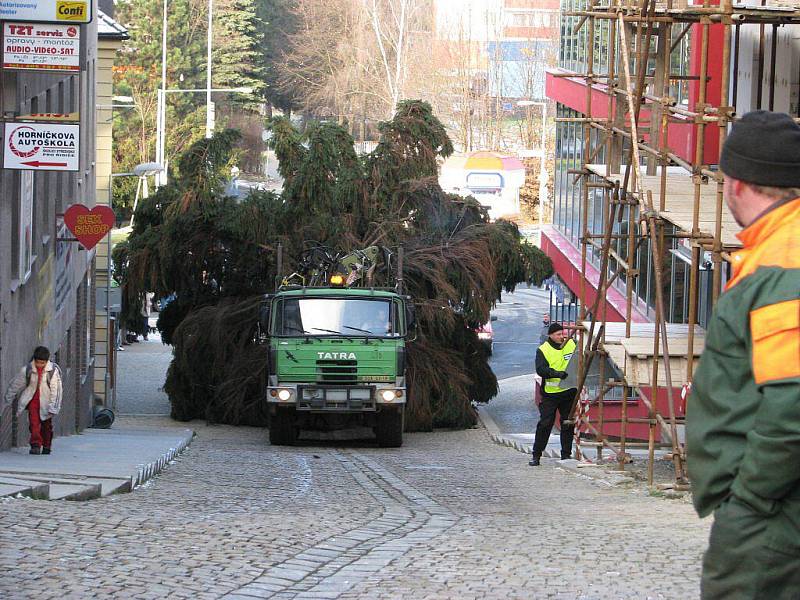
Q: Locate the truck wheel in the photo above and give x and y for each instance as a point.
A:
(389, 427)
(282, 430)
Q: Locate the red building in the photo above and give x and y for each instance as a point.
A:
(763, 71)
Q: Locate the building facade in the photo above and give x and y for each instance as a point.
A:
(47, 288)
(527, 43)
(110, 36)
(758, 85)
(593, 148)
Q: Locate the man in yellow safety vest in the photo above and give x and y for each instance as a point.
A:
(552, 358)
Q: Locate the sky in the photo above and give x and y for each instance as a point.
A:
(479, 18)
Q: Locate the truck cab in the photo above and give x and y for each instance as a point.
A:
(336, 360)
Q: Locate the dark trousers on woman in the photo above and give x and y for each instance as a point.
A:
(561, 402)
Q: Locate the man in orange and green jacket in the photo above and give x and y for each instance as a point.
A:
(743, 417)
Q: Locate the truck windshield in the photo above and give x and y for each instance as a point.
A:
(351, 317)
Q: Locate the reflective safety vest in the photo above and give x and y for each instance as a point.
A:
(557, 359)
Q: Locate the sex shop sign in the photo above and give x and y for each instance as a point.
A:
(89, 226)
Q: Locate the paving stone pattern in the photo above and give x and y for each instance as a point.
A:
(449, 515)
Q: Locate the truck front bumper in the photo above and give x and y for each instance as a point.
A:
(332, 398)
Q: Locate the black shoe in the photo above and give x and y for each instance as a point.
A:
(46, 450)
(565, 456)
(534, 462)
(35, 450)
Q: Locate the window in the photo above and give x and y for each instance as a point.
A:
(519, 19)
(88, 323)
(529, 19)
(336, 316)
(25, 225)
(64, 354)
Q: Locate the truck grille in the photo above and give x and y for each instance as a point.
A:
(340, 398)
(337, 371)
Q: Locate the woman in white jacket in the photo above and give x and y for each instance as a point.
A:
(39, 387)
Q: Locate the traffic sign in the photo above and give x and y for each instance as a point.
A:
(41, 146)
(44, 11)
(41, 46)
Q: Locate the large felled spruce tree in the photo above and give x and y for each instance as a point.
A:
(218, 255)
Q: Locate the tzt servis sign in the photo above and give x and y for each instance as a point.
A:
(41, 146)
(41, 46)
(46, 11)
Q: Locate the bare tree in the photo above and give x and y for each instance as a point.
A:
(316, 64)
(392, 22)
(451, 75)
(354, 58)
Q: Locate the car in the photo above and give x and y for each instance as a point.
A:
(486, 334)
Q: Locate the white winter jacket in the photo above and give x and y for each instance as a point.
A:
(49, 395)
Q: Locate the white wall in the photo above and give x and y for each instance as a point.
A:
(787, 69)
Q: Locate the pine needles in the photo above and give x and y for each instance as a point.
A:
(218, 255)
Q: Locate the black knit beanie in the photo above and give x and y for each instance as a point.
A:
(763, 148)
(554, 327)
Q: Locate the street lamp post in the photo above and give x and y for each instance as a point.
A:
(142, 171)
(160, 109)
(542, 168)
(209, 110)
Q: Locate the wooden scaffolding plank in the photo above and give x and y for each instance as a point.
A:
(679, 203)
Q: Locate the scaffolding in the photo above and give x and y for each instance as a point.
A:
(662, 196)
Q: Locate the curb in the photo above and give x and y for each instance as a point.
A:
(148, 470)
(586, 470)
(499, 438)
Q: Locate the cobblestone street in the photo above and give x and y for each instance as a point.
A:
(450, 515)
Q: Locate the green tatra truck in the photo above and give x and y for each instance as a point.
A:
(336, 356)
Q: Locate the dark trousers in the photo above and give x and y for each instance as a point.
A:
(752, 556)
(41, 430)
(561, 402)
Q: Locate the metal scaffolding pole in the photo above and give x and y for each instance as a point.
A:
(631, 85)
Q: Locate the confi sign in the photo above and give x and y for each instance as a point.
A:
(41, 146)
(43, 46)
(46, 11)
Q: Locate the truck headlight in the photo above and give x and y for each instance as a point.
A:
(284, 395)
(484, 336)
(388, 395)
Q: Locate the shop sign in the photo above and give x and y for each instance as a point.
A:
(46, 11)
(89, 226)
(484, 181)
(72, 117)
(47, 47)
(41, 146)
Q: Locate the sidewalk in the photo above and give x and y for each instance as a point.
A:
(142, 369)
(99, 462)
(94, 463)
